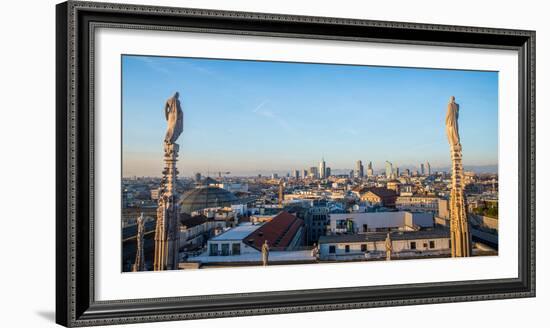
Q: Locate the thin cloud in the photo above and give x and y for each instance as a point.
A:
(154, 65)
(272, 116)
(257, 108)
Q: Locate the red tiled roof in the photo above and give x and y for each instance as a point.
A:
(278, 232)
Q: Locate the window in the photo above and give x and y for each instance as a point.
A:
(363, 247)
(225, 249)
(213, 249)
(332, 249)
(413, 245)
(432, 244)
(365, 227)
(425, 245)
(236, 249)
(449, 243)
(347, 248)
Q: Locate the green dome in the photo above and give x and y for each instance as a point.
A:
(205, 197)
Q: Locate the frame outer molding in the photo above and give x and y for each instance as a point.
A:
(76, 306)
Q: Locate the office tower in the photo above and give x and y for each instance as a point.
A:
(422, 172)
(359, 169)
(313, 172)
(389, 170)
(322, 169)
(370, 171)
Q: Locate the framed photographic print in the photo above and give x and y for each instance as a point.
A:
(214, 163)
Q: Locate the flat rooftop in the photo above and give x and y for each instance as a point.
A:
(237, 233)
(274, 256)
(381, 236)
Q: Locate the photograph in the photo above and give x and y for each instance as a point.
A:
(230, 163)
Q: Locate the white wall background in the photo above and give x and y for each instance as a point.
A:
(27, 179)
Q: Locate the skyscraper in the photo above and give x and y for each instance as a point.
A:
(389, 170)
(359, 169)
(328, 172)
(428, 168)
(422, 172)
(296, 174)
(314, 172)
(322, 169)
(370, 171)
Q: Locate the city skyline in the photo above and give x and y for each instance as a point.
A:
(250, 117)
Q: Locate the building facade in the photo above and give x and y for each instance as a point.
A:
(367, 222)
(380, 196)
(417, 203)
(411, 244)
(316, 223)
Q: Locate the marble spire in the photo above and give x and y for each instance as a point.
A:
(460, 231)
(139, 264)
(167, 227)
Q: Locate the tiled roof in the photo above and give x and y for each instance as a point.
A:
(382, 192)
(278, 232)
(191, 221)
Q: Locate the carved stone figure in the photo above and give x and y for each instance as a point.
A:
(451, 123)
(389, 247)
(174, 117)
(265, 253)
(315, 251)
(139, 264)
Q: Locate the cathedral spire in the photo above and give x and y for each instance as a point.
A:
(167, 227)
(460, 231)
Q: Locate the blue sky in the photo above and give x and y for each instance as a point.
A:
(251, 117)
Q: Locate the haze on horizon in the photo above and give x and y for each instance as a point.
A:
(250, 117)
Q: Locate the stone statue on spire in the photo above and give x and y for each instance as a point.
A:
(167, 225)
(451, 123)
(389, 247)
(174, 117)
(139, 264)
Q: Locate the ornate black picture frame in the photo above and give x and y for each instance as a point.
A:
(75, 301)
